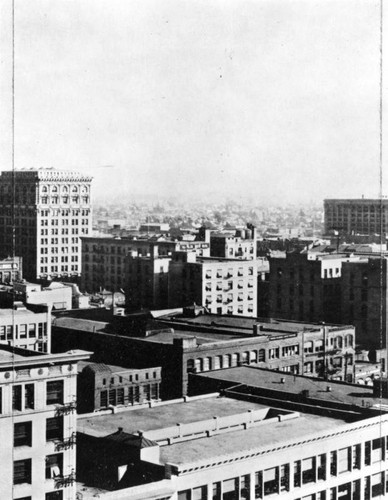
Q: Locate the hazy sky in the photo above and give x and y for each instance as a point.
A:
(273, 99)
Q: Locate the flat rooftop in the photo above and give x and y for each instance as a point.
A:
(147, 419)
(6, 313)
(242, 441)
(359, 395)
(242, 324)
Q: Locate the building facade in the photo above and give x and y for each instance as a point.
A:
(335, 288)
(184, 345)
(244, 447)
(240, 245)
(11, 270)
(104, 258)
(50, 211)
(38, 424)
(356, 216)
(101, 386)
(21, 327)
(223, 286)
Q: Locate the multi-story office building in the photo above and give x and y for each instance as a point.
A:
(29, 329)
(223, 286)
(337, 288)
(253, 443)
(102, 386)
(11, 270)
(104, 258)
(356, 216)
(48, 211)
(185, 343)
(38, 424)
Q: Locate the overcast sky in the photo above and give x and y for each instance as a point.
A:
(270, 99)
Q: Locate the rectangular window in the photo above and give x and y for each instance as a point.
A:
(377, 453)
(17, 397)
(344, 460)
(308, 470)
(230, 489)
(184, 495)
(22, 471)
(54, 429)
(271, 481)
(333, 463)
(377, 484)
(120, 396)
(216, 491)
(297, 473)
(55, 392)
(356, 459)
(199, 493)
(322, 467)
(31, 330)
(285, 477)
(22, 434)
(54, 466)
(22, 331)
(112, 397)
(104, 399)
(29, 396)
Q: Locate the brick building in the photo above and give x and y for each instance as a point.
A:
(104, 258)
(339, 288)
(101, 386)
(183, 344)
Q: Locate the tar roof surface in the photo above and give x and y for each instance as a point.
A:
(253, 438)
(147, 419)
(239, 323)
(257, 377)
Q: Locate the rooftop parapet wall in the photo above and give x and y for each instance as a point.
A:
(218, 425)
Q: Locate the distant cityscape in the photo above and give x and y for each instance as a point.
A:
(198, 351)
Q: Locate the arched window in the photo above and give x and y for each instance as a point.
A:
(261, 355)
(253, 357)
(338, 342)
(349, 341)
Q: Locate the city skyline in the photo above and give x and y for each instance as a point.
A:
(222, 100)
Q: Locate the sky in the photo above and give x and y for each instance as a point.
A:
(264, 100)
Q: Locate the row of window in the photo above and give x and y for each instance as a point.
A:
(23, 431)
(130, 378)
(55, 200)
(62, 213)
(23, 395)
(209, 273)
(56, 269)
(64, 189)
(130, 395)
(23, 331)
(282, 478)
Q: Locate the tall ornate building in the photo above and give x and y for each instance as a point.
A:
(43, 215)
